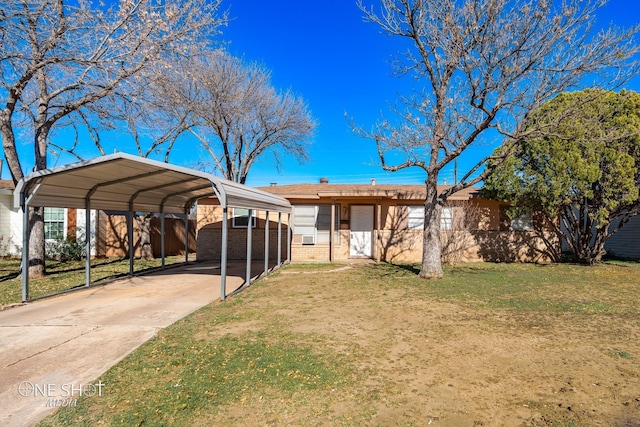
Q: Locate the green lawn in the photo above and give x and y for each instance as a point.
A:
(490, 344)
(66, 275)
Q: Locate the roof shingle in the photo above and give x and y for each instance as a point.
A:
(405, 191)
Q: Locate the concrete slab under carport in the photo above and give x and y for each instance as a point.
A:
(71, 339)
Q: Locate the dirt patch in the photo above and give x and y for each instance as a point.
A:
(419, 360)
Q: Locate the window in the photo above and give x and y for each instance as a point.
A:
(446, 218)
(416, 218)
(323, 224)
(313, 223)
(522, 223)
(54, 223)
(240, 218)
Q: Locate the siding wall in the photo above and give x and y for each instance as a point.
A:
(116, 244)
(626, 242)
(10, 227)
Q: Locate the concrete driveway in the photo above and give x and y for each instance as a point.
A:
(52, 350)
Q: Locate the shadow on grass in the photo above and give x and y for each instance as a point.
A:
(81, 267)
(9, 276)
(410, 268)
(415, 268)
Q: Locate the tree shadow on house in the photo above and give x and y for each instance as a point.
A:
(396, 241)
(515, 246)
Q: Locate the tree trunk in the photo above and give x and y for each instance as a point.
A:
(36, 243)
(146, 251)
(587, 239)
(431, 245)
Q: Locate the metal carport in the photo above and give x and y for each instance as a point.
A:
(123, 182)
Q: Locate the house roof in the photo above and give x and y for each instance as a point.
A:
(123, 182)
(397, 192)
(6, 184)
(6, 187)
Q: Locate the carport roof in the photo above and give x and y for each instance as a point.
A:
(124, 182)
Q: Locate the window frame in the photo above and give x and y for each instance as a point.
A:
(416, 222)
(448, 219)
(48, 221)
(245, 215)
(316, 215)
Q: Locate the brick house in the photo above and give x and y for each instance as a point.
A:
(339, 222)
(209, 233)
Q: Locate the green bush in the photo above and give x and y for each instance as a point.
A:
(68, 249)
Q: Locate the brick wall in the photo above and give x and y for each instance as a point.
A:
(469, 246)
(209, 235)
(209, 243)
(479, 238)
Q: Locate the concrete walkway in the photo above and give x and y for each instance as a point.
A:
(54, 349)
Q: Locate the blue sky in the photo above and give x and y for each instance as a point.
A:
(326, 53)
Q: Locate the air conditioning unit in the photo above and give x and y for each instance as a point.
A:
(308, 239)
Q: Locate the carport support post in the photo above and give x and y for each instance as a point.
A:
(87, 238)
(223, 256)
(131, 243)
(162, 237)
(25, 249)
(332, 227)
(289, 238)
(266, 244)
(186, 238)
(249, 236)
(279, 238)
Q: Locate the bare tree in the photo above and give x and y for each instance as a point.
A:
(62, 62)
(484, 64)
(232, 109)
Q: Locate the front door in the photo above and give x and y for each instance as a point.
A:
(361, 231)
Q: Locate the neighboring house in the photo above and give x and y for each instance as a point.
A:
(59, 223)
(625, 244)
(339, 222)
(108, 231)
(10, 221)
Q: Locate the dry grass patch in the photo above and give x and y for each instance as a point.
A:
(491, 344)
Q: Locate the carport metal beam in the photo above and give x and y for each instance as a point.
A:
(249, 252)
(279, 238)
(289, 238)
(87, 243)
(223, 254)
(266, 243)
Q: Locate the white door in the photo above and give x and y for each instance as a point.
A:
(361, 231)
